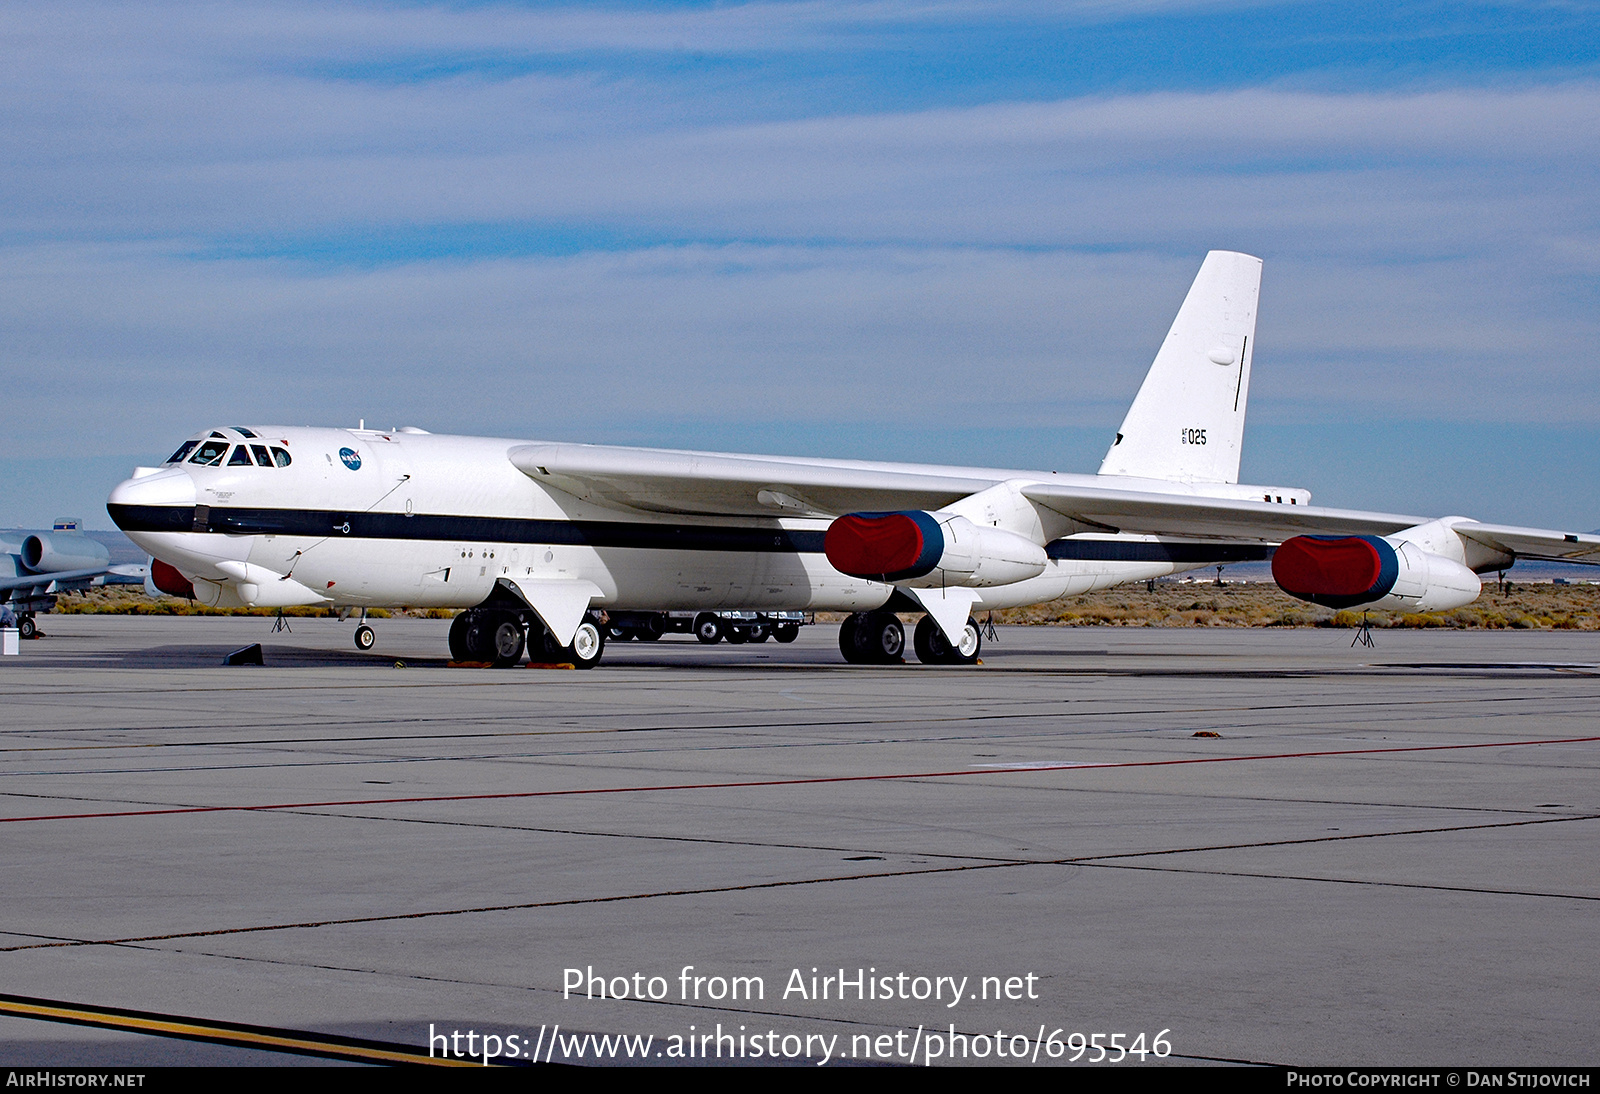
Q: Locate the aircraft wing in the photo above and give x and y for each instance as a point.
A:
(1535, 542)
(716, 485)
(28, 581)
(1150, 513)
(712, 484)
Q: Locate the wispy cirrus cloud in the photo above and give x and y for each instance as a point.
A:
(890, 221)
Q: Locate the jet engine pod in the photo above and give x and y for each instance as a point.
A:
(48, 554)
(167, 579)
(1371, 572)
(921, 549)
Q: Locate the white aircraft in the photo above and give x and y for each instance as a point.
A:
(538, 539)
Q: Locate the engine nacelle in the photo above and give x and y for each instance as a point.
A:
(923, 550)
(48, 554)
(1371, 572)
(164, 578)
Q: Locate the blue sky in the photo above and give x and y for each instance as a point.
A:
(940, 231)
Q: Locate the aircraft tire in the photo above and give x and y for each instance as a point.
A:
(588, 644)
(882, 638)
(708, 628)
(786, 632)
(930, 643)
(847, 638)
(934, 649)
(480, 636)
(458, 636)
(27, 628)
(365, 637)
(506, 640)
(966, 651)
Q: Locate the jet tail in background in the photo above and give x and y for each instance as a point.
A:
(1187, 422)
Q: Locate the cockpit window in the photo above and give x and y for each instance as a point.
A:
(280, 457)
(240, 457)
(177, 457)
(263, 458)
(210, 454)
(243, 432)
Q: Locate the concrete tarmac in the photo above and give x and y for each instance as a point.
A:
(1263, 845)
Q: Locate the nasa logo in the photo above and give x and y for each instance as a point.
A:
(351, 458)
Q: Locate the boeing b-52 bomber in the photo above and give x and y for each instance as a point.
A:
(538, 539)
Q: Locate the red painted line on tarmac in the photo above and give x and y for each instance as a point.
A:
(787, 782)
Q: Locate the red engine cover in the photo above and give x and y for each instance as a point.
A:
(874, 544)
(169, 580)
(1329, 570)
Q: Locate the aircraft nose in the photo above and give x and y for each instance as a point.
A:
(170, 486)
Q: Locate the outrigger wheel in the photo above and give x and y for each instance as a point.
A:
(934, 649)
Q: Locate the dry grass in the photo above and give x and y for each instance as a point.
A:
(1262, 604)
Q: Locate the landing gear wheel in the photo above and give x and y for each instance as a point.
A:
(708, 628)
(366, 637)
(507, 640)
(479, 638)
(27, 628)
(966, 651)
(786, 632)
(873, 638)
(458, 636)
(587, 646)
(847, 638)
(933, 648)
(883, 637)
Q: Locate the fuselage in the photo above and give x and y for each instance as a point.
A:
(367, 518)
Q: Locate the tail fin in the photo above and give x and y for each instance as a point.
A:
(1187, 422)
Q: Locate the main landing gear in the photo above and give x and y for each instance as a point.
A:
(878, 638)
(501, 635)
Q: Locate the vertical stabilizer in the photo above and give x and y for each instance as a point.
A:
(1187, 422)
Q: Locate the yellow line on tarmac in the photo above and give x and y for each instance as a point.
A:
(295, 1041)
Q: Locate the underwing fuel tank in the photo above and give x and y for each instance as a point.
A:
(919, 549)
(1371, 572)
